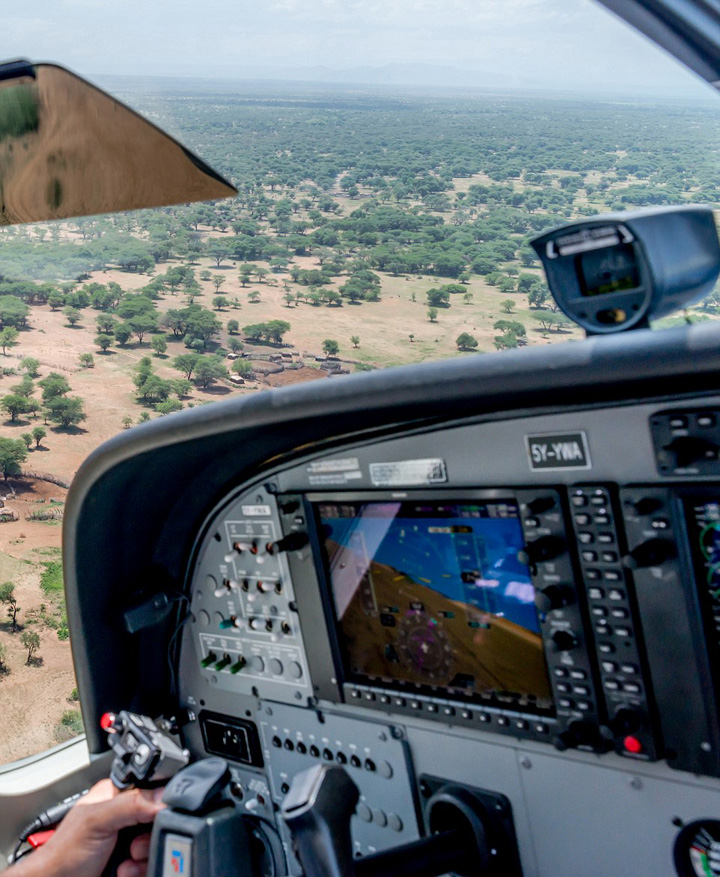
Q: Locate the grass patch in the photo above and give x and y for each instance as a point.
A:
(51, 579)
(71, 724)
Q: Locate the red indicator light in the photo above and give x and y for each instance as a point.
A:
(633, 745)
(107, 721)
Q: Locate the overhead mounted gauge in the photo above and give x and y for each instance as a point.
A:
(697, 849)
(618, 271)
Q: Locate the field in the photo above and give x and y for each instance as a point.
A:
(370, 231)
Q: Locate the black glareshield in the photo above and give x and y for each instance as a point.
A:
(619, 271)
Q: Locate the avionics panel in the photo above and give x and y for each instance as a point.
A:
(436, 597)
(459, 606)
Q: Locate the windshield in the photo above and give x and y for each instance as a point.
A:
(392, 160)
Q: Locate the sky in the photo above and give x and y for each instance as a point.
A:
(572, 44)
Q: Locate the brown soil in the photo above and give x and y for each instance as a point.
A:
(33, 696)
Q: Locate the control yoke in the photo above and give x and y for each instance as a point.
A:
(317, 810)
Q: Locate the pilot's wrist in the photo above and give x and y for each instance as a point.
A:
(36, 864)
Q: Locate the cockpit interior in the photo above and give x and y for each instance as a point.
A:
(454, 618)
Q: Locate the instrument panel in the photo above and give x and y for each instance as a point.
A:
(519, 592)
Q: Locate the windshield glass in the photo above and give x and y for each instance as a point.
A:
(392, 159)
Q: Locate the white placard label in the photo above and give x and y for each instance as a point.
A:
(408, 473)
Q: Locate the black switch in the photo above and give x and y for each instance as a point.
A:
(541, 504)
(545, 548)
(689, 449)
(654, 552)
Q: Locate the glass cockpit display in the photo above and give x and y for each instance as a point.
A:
(437, 596)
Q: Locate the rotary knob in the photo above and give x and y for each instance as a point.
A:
(564, 640)
(545, 548)
(653, 552)
(553, 597)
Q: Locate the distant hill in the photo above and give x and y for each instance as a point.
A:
(416, 75)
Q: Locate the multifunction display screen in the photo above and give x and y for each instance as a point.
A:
(611, 269)
(704, 527)
(433, 595)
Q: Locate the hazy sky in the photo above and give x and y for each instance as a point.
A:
(559, 42)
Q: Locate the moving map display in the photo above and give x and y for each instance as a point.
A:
(435, 595)
(704, 526)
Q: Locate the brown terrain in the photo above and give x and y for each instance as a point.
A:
(500, 655)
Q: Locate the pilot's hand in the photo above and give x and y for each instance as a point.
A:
(85, 839)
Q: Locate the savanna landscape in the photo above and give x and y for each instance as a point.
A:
(372, 229)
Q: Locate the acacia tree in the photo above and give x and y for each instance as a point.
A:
(331, 348)
(466, 341)
(31, 640)
(12, 453)
(38, 434)
(8, 598)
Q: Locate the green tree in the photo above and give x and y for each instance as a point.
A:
(235, 345)
(38, 434)
(209, 369)
(218, 281)
(142, 324)
(510, 327)
(30, 365)
(551, 321)
(25, 388)
(538, 296)
(242, 367)
(508, 305)
(505, 341)
(466, 341)
(31, 641)
(233, 327)
(254, 296)
(27, 438)
(13, 311)
(186, 363)
(72, 315)
(438, 298)
(432, 314)
(168, 406)
(126, 422)
(14, 404)
(219, 302)
(8, 338)
(66, 410)
(103, 342)
(355, 340)
(275, 329)
(87, 360)
(158, 344)
(331, 348)
(123, 333)
(106, 324)
(8, 598)
(53, 385)
(12, 453)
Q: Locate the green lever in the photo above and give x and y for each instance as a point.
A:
(210, 659)
(238, 665)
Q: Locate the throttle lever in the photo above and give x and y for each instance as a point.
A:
(317, 810)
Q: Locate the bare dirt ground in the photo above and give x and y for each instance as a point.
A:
(33, 696)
